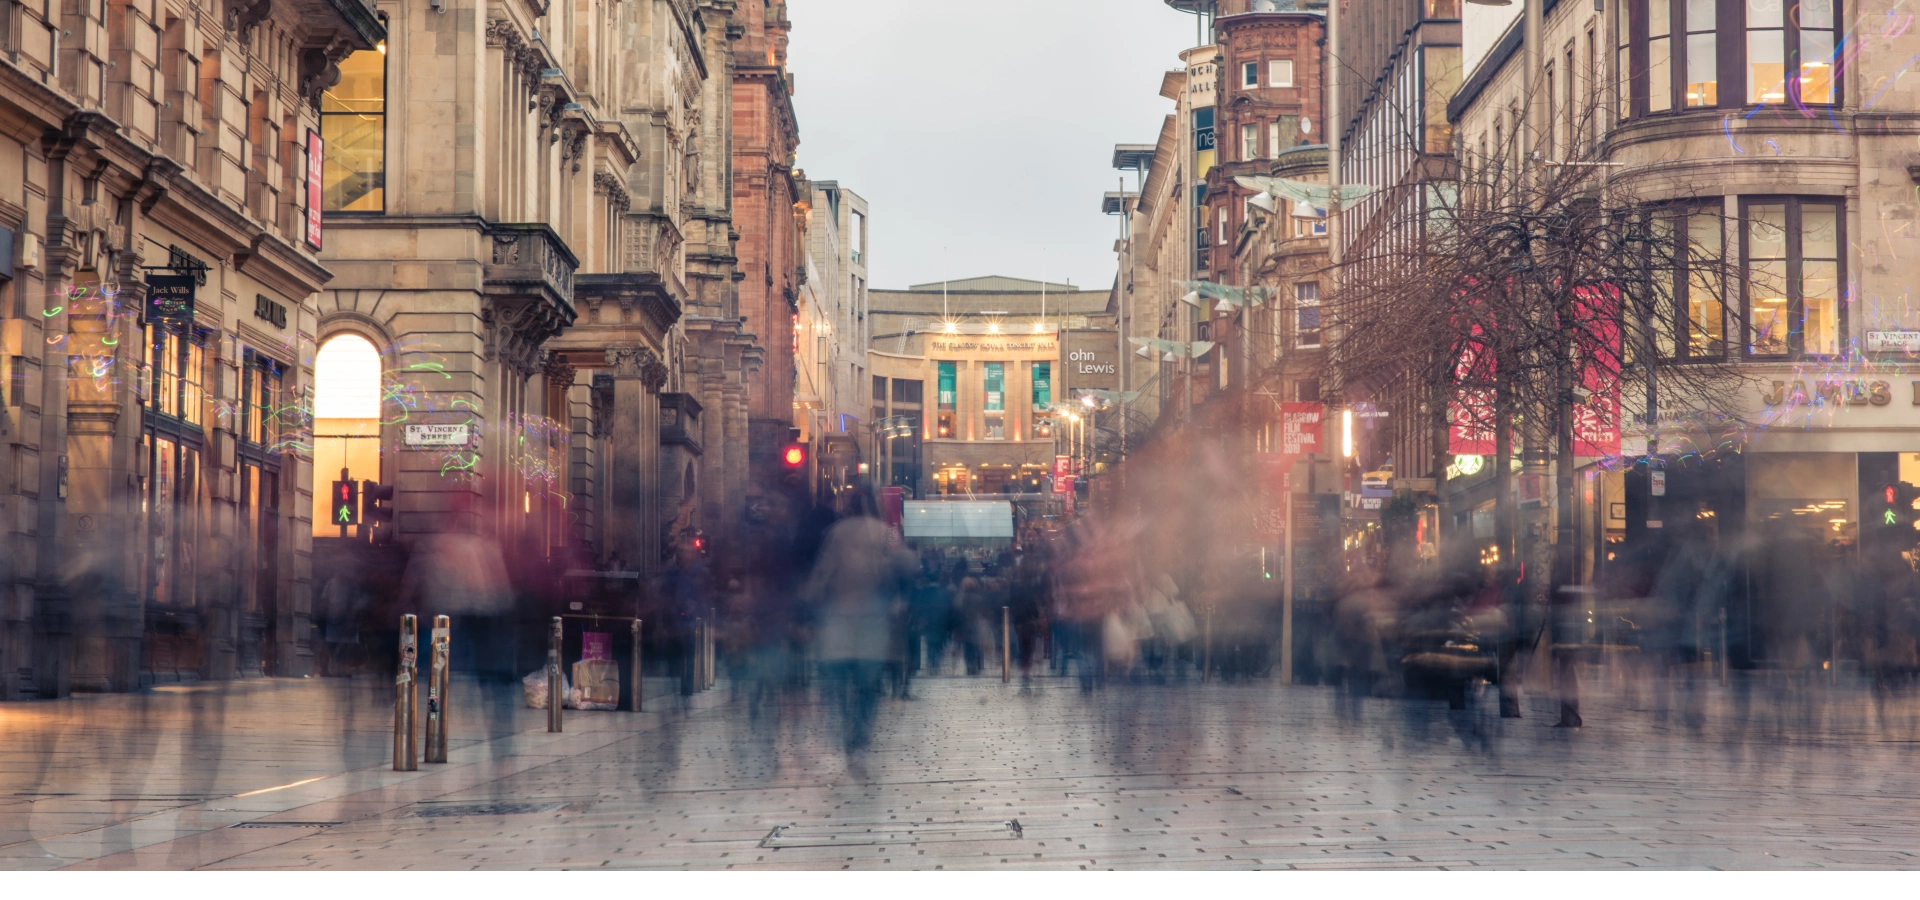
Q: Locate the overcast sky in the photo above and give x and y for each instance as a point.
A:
(982, 126)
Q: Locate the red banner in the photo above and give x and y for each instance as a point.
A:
(1062, 474)
(1596, 417)
(316, 177)
(1470, 415)
(1276, 476)
(1300, 427)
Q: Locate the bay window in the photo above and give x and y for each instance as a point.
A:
(1790, 253)
(1687, 266)
(1673, 54)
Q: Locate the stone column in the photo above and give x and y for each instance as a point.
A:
(633, 456)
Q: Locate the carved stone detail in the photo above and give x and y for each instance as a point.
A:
(635, 361)
(609, 184)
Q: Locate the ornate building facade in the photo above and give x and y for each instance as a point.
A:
(156, 448)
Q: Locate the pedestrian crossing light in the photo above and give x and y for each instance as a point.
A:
(346, 502)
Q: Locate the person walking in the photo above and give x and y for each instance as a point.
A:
(859, 588)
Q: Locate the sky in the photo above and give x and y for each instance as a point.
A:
(981, 132)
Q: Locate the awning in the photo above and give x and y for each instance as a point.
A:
(960, 520)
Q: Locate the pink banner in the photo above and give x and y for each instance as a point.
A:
(1470, 415)
(1596, 417)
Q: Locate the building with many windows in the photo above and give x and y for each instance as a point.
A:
(831, 388)
(159, 271)
(1778, 172)
(979, 367)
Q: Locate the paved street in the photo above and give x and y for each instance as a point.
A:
(972, 774)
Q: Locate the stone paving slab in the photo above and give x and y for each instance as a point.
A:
(1222, 776)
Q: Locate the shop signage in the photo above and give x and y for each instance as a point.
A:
(269, 311)
(316, 175)
(438, 435)
(1658, 478)
(1893, 342)
(1092, 361)
(1062, 474)
(1835, 392)
(170, 298)
(990, 346)
(1465, 464)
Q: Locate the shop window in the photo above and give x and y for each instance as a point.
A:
(264, 419)
(1790, 252)
(1279, 73)
(353, 125)
(172, 509)
(176, 367)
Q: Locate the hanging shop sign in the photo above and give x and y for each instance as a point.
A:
(170, 298)
(316, 174)
(421, 436)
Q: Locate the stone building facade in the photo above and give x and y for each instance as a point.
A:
(978, 366)
(1787, 164)
(566, 287)
(770, 214)
(832, 397)
(156, 457)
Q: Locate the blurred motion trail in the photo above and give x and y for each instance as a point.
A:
(971, 774)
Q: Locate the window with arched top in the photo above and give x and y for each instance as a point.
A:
(346, 420)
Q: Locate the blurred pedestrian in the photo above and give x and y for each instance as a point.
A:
(857, 589)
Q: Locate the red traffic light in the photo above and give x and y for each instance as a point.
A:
(794, 456)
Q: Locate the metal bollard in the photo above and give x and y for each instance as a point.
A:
(1206, 651)
(406, 696)
(635, 702)
(554, 698)
(1006, 645)
(437, 678)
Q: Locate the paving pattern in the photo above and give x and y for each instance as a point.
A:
(974, 774)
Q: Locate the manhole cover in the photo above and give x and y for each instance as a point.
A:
(484, 809)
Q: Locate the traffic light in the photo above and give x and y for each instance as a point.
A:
(376, 510)
(793, 464)
(346, 502)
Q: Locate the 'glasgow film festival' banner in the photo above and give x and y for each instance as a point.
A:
(1300, 428)
(1597, 349)
(1470, 415)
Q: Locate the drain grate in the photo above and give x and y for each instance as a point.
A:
(460, 810)
(284, 825)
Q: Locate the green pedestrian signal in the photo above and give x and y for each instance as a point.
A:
(346, 501)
